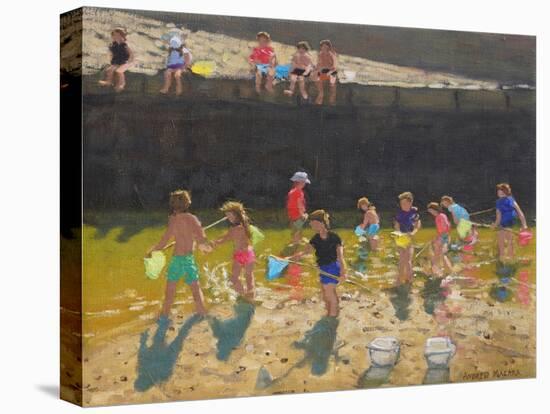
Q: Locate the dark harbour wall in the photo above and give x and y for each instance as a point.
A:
(221, 142)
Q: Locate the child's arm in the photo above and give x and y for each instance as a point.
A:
(130, 56)
(521, 216)
(341, 261)
(417, 226)
(200, 236)
(396, 225)
(455, 220)
(307, 250)
(188, 60)
(273, 60)
(334, 61)
(302, 208)
(226, 237)
(168, 234)
(366, 221)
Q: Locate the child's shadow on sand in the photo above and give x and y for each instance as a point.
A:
(401, 299)
(318, 344)
(230, 332)
(156, 363)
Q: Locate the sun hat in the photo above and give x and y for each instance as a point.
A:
(175, 42)
(300, 176)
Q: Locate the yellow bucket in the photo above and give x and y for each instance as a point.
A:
(402, 240)
(203, 67)
(463, 228)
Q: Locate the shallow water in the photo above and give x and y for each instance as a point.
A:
(118, 296)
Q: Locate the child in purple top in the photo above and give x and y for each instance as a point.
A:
(406, 221)
(507, 213)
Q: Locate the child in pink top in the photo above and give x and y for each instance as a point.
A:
(263, 61)
(440, 244)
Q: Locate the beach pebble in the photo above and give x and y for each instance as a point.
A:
(346, 296)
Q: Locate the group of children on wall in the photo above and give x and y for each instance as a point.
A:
(185, 229)
(263, 62)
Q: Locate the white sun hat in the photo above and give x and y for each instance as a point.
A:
(300, 176)
(175, 42)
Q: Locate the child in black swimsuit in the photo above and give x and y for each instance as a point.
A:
(121, 58)
(329, 252)
(301, 67)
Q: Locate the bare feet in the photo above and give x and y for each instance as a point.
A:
(288, 92)
(163, 91)
(105, 83)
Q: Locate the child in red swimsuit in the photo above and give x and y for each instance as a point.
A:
(244, 257)
(263, 61)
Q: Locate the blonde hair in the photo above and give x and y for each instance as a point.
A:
(263, 34)
(322, 216)
(505, 188)
(240, 213)
(434, 206)
(407, 195)
(180, 201)
(447, 198)
(364, 200)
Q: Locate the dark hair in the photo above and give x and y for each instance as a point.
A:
(303, 45)
(180, 201)
(121, 32)
(434, 206)
(326, 42)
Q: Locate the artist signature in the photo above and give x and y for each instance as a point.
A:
(494, 374)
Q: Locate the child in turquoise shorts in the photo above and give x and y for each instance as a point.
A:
(186, 229)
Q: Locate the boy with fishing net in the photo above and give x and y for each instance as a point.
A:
(329, 252)
(185, 229)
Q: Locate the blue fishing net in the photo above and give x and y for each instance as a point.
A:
(275, 267)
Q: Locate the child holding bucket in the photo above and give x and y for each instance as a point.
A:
(507, 213)
(441, 243)
(371, 222)
(263, 61)
(406, 223)
(329, 252)
(244, 257)
(121, 59)
(461, 218)
(186, 229)
(301, 66)
(296, 205)
(177, 62)
(326, 72)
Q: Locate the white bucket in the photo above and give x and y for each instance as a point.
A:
(439, 351)
(384, 351)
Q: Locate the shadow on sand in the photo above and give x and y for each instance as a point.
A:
(156, 363)
(318, 344)
(230, 332)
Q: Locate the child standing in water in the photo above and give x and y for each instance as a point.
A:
(179, 59)
(507, 213)
(263, 60)
(329, 251)
(121, 59)
(326, 71)
(461, 219)
(371, 221)
(244, 257)
(441, 243)
(296, 205)
(407, 222)
(301, 66)
(186, 229)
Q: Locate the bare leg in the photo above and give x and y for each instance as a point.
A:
(258, 81)
(290, 90)
(269, 80)
(373, 242)
(120, 77)
(109, 74)
(237, 285)
(250, 285)
(501, 243)
(332, 91)
(169, 296)
(331, 298)
(179, 86)
(510, 242)
(320, 92)
(198, 297)
(302, 85)
(167, 81)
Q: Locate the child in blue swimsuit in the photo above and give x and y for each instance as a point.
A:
(407, 221)
(371, 221)
(507, 213)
